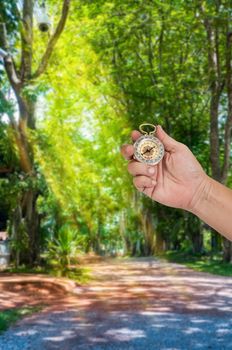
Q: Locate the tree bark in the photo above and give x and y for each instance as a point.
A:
(31, 218)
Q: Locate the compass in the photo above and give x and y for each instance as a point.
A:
(148, 148)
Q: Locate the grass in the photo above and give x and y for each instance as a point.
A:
(9, 317)
(78, 274)
(26, 269)
(207, 263)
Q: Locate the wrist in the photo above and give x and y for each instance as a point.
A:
(201, 195)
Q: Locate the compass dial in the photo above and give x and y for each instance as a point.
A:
(148, 149)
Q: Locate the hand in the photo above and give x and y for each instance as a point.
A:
(177, 181)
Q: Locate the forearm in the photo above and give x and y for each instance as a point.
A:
(214, 207)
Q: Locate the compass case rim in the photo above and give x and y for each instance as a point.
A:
(139, 158)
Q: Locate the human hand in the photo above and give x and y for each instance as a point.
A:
(177, 181)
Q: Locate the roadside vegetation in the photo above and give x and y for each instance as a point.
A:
(11, 316)
(71, 93)
(211, 263)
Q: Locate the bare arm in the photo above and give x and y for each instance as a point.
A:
(179, 181)
(214, 206)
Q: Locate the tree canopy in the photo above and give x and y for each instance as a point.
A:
(103, 68)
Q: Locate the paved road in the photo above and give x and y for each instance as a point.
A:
(136, 304)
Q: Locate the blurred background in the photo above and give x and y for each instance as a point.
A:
(75, 78)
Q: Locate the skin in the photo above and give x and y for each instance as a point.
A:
(179, 181)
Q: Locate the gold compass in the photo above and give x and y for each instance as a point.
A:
(148, 148)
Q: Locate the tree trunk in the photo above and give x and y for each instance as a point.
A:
(97, 239)
(217, 81)
(216, 241)
(149, 233)
(122, 230)
(194, 231)
(159, 243)
(227, 250)
(31, 219)
(197, 241)
(227, 245)
(21, 75)
(29, 197)
(15, 234)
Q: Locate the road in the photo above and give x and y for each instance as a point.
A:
(133, 304)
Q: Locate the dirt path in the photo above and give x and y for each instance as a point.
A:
(133, 304)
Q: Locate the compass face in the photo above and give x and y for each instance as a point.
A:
(148, 149)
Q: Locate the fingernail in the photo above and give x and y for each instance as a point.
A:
(151, 171)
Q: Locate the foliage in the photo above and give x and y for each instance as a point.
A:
(9, 317)
(64, 247)
(206, 263)
(78, 273)
(117, 64)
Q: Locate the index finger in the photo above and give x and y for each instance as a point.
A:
(127, 151)
(135, 135)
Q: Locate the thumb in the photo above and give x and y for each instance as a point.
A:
(169, 143)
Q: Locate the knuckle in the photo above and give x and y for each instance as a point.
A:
(183, 147)
(136, 181)
(123, 149)
(127, 151)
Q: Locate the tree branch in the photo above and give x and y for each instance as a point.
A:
(53, 40)
(26, 39)
(8, 60)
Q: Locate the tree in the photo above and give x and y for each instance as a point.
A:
(154, 54)
(216, 18)
(23, 79)
(137, 61)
